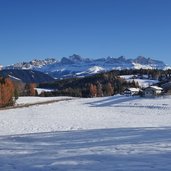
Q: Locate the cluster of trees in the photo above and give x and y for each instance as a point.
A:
(29, 90)
(10, 90)
(24, 89)
(155, 74)
(8, 93)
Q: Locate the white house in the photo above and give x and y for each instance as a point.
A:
(131, 91)
(153, 91)
(167, 86)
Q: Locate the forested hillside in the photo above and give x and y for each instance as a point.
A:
(103, 84)
(27, 76)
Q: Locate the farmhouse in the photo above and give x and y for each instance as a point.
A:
(167, 87)
(131, 91)
(153, 91)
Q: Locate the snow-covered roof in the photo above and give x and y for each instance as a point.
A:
(156, 87)
(40, 90)
(133, 89)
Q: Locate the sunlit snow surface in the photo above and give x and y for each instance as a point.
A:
(142, 82)
(112, 133)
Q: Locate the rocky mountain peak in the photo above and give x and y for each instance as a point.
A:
(76, 65)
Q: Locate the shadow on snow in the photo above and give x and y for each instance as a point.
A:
(102, 149)
(112, 101)
(126, 101)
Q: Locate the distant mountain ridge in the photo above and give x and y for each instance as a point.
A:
(36, 63)
(77, 66)
(26, 76)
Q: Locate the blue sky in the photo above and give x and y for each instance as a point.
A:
(32, 29)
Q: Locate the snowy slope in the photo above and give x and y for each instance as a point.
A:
(112, 133)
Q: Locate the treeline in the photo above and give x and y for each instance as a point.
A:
(7, 92)
(104, 84)
(155, 74)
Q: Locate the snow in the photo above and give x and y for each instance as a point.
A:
(139, 66)
(31, 100)
(145, 82)
(142, 82)
(95, 69)
(94, 113)
(134, 89)
(156, 87)
(128, 149)
(167, 67)
(15, 78)
(109, 133)
(40, 90)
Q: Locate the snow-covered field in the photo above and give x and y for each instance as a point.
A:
(34, 99)
(142, 82)
(111, 133)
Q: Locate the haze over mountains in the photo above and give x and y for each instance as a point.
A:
(77, 66)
